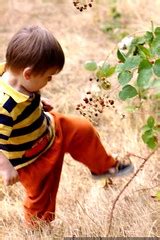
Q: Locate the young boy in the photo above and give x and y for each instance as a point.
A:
(32, 141)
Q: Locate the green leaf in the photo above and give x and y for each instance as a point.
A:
(110, 71)
(146, 52)
(90, 65)
(155, 83)
(119, 67)
(139, 40)
(149, 37)
(128, 91)
(124, 77)
(158, 195)
(147, 135)
(157, 31)
(144, 78)
(152, 142)
(121, 56)
(132, 62)
(145, 73)
(150, 122)
(145, 128)
(105, 71)
(156, 67)
(155, 46)
(131, 50)
(145, 64)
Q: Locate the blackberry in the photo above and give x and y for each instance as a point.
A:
(79, 5)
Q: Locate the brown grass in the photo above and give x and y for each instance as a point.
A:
(83, 205)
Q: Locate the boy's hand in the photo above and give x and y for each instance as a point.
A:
(7, 172)
(9, 176)
(47, 107)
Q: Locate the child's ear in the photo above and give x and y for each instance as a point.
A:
(27, 73)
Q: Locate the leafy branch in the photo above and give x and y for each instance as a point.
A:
(138, 75)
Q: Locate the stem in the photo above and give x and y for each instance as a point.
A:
(145, 159)
(152, 26)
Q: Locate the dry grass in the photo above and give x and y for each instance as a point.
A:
(83, 205)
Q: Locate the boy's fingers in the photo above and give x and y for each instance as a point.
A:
(8, 182)
(14, 180)
(47, 108)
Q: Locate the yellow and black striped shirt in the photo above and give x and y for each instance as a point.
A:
(26, 131)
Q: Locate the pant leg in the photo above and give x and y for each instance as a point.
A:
(82, 141)
(41, 190)
(76, 136)
(41, 180)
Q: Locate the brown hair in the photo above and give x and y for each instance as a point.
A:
(34, 47)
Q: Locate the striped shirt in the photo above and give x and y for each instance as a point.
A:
(26, 130)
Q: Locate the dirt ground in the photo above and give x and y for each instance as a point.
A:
(83, 205)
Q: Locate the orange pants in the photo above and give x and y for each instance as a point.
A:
(74, 135)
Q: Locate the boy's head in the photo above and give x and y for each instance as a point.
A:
(34, 51)
(34, 55)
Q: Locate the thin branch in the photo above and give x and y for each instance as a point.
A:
(88, 215)
(126, 185)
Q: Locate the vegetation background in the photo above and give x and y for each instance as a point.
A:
(84, 205)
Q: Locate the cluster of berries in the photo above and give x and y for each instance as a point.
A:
(93, 105)
(82, 6)
(95, 101)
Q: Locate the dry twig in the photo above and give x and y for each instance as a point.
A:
(126, 185)
(88, 215)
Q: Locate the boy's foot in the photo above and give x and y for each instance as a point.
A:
(120, 170)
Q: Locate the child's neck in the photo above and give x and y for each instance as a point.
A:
(15, 82)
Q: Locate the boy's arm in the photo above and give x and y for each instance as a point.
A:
(47, 107)
(7, 171)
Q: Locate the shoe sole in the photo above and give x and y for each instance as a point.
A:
(122, 173)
